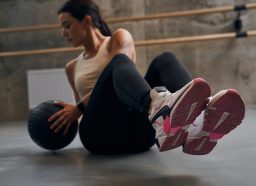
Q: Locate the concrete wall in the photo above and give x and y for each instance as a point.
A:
(225, 63)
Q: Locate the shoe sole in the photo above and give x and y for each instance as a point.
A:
(221, 117)
(186, 109)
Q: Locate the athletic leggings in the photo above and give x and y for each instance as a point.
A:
(116, 118)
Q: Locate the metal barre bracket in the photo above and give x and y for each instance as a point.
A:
(239, 8)
(238, 23)
(241, 34)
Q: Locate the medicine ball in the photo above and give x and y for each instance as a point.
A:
(39, 127)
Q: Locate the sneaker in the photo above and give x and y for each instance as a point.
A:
(172, 114)
(224, 113)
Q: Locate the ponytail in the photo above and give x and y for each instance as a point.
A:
(104, 29)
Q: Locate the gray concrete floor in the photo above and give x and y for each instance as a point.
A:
(232, 163)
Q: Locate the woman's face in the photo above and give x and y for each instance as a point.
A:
(72, 29)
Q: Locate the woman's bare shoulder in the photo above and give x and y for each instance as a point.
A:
(122, 42)
(121, 34)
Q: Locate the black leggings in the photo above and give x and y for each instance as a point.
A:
(116, 118)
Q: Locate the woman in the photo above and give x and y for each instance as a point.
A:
(125, 113)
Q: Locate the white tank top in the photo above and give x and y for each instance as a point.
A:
(87, 71)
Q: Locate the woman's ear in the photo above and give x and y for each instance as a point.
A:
(87, 20)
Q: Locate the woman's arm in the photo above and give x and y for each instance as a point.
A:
(122, 42)
(69, 113)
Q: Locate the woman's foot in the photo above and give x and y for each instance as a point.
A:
(224, 113)
(171, 114)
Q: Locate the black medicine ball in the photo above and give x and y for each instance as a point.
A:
(39, 127)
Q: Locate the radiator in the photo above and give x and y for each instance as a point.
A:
(48, 84)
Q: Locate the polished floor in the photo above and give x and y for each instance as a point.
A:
(232, 163)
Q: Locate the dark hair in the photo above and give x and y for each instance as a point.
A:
(80, 8)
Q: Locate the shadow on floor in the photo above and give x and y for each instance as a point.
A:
(82, 168)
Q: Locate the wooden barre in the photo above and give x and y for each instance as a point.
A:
(137, 43)
(136, 18)
(181, 13)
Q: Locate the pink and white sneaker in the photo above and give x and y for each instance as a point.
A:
(172, 113)
(224, 113)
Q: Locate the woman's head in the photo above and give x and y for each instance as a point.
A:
(79, 9)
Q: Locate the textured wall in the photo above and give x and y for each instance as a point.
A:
(225, 63)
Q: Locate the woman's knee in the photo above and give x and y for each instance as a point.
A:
(165, 58)
(167, 55)
(116, 63)
(119, 59)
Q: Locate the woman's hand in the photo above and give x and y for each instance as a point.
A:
(65, 117)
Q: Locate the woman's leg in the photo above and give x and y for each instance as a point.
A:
(166, 70)
(172, 114)
(105, 124)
